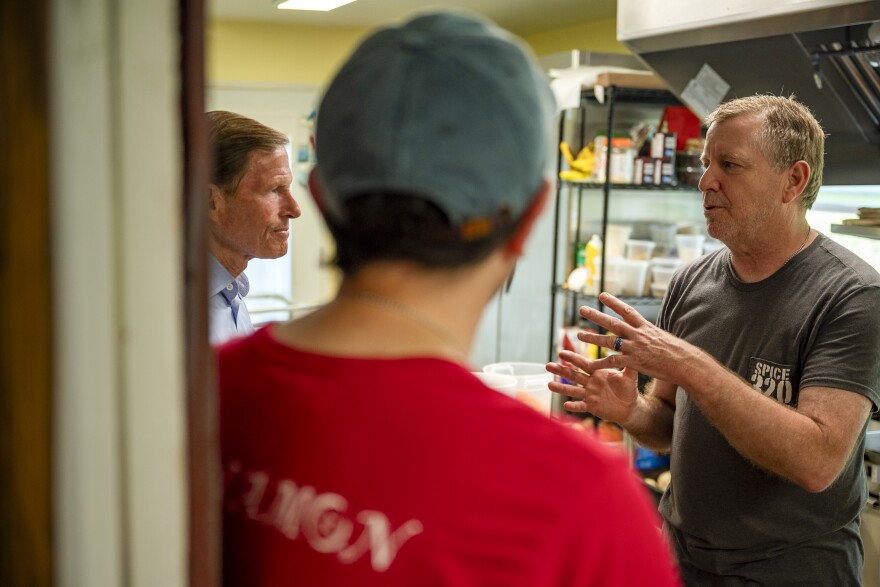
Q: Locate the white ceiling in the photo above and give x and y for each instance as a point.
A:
(523, 17)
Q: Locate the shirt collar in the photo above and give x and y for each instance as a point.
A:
(219, 278)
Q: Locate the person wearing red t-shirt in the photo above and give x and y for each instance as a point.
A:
(357, 446)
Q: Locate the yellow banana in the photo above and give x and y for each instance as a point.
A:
(586, 152)
(566, 152)
(572, 175)
(583, 166)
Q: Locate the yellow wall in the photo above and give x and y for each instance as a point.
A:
(239, 51)
(600, 36)
(276, 53)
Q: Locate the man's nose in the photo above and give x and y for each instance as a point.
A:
(707, 180)
(291, 207)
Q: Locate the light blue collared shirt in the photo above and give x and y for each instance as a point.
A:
(227, 315)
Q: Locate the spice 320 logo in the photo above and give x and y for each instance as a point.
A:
(773, 380)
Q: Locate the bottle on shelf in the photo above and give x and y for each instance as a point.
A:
(579, 276)
(622, 156)
(593, 251)
(581, 255)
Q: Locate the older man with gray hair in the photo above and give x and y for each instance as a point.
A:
(250, 208)
(765, 363)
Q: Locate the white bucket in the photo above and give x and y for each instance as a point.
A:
(506, 384)
(531, 381)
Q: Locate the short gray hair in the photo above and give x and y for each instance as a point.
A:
(789, 133)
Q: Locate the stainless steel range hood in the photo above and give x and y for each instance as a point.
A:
(827, 52)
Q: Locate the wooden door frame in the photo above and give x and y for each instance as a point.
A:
(26, 334)
(26, 359)
(202, 439)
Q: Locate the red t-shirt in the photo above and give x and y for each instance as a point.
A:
(358, 472)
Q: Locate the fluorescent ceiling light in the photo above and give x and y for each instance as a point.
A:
(323, 5)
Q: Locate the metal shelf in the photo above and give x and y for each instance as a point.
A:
(589, 185)
(607, 100)
(648, 307)
(863, 231)
(648, 96)
(591, 299)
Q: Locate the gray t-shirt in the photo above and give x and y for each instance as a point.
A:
(815, 322)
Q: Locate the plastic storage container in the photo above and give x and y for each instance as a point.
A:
(639, 250)
(531, 382)
(633, 277)
(662, 270)
(612, 275)
(690, 246)
(615, 239)
(664, 236)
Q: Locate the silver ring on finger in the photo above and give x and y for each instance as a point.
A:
(617, 342)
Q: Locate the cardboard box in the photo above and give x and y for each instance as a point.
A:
(663, 146)
(669, 142)
(644, 171)
(664, 172)
(648, 81)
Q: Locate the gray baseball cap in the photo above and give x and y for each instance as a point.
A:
(447, 107)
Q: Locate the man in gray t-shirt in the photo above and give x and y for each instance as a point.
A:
(765, 364)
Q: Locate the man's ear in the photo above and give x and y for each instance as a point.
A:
(796, 180)
(516, 245)
(215, 201)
